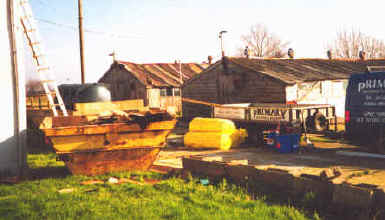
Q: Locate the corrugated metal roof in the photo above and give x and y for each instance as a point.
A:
(292, 71)
(163, 74)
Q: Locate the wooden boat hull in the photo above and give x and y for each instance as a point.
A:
(105, 161)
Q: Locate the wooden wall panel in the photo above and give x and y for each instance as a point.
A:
(235, 85)
(203, 88)
(123, 85)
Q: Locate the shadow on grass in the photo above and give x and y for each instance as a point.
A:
(37, 143)
(40, 149)
(47, 172)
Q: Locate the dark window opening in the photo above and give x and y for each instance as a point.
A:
(176, 92)
(163, 92)
(169, 91)
(166, 92)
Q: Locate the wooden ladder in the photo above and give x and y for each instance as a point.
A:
(50, 86)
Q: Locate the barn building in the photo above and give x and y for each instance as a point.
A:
(158, 84)
(12, 93)
(302, 81)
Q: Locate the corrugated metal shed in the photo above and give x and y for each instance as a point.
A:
(162, 74)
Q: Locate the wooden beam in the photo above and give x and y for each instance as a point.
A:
(95, 108)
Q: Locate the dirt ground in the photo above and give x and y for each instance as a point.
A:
(325, 157)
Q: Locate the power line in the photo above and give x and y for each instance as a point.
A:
(45, 3)
(57, 24)
(72, 27)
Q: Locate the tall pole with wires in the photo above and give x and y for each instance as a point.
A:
(180, 72)
(80, 9)
(221, 37)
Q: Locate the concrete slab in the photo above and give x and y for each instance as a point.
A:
(354, 170)
(358, 187)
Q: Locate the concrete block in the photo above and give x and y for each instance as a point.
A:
(379, 197)
(379, 204)
(213, 158)
(190, 164)
(241, 174)
(330, 173)
(277, 170)
(238, 162)
(311, 176)
(213, 169)
(322, 190)
(379, 215)
(346, 196)
(276, 180)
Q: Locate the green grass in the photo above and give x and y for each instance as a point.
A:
(172, 198)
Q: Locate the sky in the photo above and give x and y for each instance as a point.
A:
(162, 31)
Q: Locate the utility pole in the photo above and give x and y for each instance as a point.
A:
(80, 8)
(221, 37)
(180, 72)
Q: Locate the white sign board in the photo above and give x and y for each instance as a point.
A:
(229, 113)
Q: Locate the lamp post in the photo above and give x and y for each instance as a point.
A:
(113, 55)
(221, 37)
(180, 70)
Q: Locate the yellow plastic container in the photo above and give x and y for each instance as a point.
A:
(213, 133)
(238, 137)
(219, 125)
(208, 140)
(215, 140)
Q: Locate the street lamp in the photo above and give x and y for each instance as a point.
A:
(221, 37)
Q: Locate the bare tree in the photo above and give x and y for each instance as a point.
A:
(348, 44)
(262, 43)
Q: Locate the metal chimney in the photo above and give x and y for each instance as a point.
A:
(210, 59)
(362, 55)
(290, 53)
(246, 52)
(329, 53)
